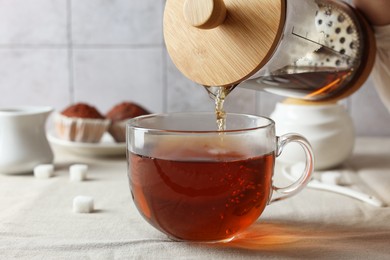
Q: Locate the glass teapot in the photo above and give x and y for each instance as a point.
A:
(312, 50)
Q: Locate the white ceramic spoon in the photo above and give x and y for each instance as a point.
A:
(289, 171)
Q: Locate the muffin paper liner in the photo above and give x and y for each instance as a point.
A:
(80, 129)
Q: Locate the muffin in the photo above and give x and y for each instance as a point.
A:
(119, 115)
(81, 123)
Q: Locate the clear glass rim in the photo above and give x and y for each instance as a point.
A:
(134, 123)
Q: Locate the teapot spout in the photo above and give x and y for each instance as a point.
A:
(215, 91)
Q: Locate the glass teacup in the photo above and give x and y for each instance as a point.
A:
(196, 183)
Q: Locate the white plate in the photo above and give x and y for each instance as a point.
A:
(106, 147)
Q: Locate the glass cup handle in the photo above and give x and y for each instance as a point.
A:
(298, 185)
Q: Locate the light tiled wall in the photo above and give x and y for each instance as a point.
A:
(56, 52)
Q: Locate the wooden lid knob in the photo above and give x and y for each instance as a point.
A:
(204, 14)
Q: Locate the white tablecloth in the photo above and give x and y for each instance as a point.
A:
(37, 222)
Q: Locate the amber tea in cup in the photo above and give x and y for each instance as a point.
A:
(196, 183)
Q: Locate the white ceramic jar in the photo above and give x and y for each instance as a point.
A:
(328, 127)
(23, 142)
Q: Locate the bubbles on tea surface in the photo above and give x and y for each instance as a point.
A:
(235, 193)
(228, 231)
(250, 186)
(244, 197)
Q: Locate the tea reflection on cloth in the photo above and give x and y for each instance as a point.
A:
(310, 240)
(37, 222)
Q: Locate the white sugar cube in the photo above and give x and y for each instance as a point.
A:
(44, 171)
(78, 172)
(82, 204)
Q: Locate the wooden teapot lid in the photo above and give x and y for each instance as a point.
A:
(222, 42)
